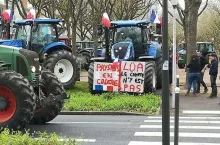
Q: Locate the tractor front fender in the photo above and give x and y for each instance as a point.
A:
(84, 52)
(144, 58)
(54, 47)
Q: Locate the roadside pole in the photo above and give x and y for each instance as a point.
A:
(174, 3)
(165, 82)
(176, 129)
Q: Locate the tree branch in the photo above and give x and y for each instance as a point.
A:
(178, 21)
(206, 4)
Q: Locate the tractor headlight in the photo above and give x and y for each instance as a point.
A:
(33, 69)
(112, 54)
(127, 54)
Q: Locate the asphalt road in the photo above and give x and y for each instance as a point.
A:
(100, 130)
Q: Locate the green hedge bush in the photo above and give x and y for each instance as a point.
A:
(19, 138)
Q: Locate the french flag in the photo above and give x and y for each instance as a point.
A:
(31, 14)
(155, 19)
(7, 15)
(106, 20)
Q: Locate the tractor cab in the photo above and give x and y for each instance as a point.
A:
(132, 40)
(206, 48)
(36, 34)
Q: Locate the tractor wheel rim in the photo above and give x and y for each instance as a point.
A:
(64, 70)
(9, 111)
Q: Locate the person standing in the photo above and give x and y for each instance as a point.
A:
(213, 72)
(170, 70)
(193, 75)
(203, 62)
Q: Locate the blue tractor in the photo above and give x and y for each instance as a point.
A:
(128, 41)
(41, 35)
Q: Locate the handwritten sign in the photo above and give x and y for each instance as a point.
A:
(126, 77)
(106, 77)
(132, 76)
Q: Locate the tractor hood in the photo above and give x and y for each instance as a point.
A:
(99, 51)
(15, 43)
(122, 51)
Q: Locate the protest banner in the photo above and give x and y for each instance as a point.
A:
(128, 76)
(106, 77)
(132, 76)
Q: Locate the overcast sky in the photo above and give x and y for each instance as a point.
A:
(181, 2)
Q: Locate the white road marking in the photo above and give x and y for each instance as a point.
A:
(184, 121)
(160, 143)
(184, 117)
(182, 127)
(77, 140)
(81, 140)
(200, 112)
(89, 122)
(181, 134)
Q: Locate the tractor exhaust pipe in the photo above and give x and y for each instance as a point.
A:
(107, 45)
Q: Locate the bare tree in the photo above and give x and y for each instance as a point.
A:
(132, 9)
(189, 19)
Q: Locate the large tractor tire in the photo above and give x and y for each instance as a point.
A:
(150, 79)
(63, 64)
(17, 101)
(159, 73)
(90, 79)
(49, 85)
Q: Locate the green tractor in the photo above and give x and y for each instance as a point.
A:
(205, 47)
(131, 61)
(27, 93)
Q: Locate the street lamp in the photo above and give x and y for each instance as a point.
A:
(175, 4)
(165, 75)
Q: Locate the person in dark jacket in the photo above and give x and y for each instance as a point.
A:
(203, 62)
(193, 75)
(213, 72)
(170, 70)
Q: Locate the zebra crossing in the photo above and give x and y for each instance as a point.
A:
(194, 129)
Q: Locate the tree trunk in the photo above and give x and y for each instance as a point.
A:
(94, 26)
(190, 28)
(74, 27)
(191, 19)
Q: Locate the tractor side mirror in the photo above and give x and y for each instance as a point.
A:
(99, 30)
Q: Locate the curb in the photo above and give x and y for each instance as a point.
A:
(99, 113)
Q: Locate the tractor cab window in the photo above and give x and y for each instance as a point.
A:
(132, 34)
(42, 35)
(23, 34)
(210, 48)
(205, 47)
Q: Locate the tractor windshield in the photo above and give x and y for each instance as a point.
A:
(205, 47)
(42, 35)
(23, 33)
(128, 34)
